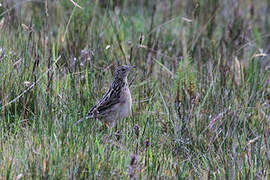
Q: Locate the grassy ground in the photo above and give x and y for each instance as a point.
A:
(201, 94)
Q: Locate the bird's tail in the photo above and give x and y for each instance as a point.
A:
(89, 116)
(80, 120)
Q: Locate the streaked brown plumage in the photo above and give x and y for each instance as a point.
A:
(116, 103)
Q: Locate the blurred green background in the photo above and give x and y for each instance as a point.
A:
(201, 92)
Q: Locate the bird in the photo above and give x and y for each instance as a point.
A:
(116, 103)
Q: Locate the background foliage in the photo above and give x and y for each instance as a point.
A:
(201, 94)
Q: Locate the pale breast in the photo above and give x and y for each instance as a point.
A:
(125, 105)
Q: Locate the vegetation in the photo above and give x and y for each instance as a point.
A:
(201, 91)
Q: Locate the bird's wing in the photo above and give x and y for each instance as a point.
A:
(111, 98)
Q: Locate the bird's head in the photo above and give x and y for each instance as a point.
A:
(122, 71)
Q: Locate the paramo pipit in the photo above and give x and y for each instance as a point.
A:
(116, 103)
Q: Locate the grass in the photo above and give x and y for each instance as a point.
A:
(201, 94)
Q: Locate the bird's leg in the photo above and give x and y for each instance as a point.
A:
(117, 133)
(116, 127)
(111, 127)
(107, 125)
